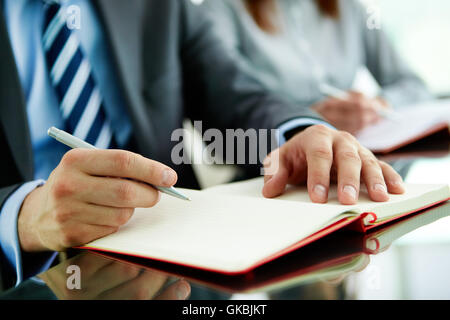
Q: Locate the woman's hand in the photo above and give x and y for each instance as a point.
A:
(352, 114)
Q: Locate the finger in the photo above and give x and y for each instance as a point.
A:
(319, 158)
(348, 165)
(356, 95)
(179, 290)
(120, 163)
(372, 176)
(142, 287)
(393, 180)
(102, 215)
(276, 174)
(88, 262)
(119, 193)
(368, 114)
(109, 277)
(74, 234)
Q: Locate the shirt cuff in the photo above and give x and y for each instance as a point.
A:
(297, 123)
(9, 237)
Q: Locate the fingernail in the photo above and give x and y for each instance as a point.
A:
(183, 290)
(320, 191)
(397, 183)
(380, 187)
(350, 191)
(168, 177)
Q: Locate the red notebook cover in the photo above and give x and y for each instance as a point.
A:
(354, 223)
(338, 249)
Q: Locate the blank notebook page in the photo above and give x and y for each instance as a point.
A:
(217, 232)
(415, 197)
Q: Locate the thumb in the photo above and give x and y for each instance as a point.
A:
(276, 175)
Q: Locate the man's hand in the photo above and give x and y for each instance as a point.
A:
(87, 197)
(105, 279)
(352, 114)
(318, 155)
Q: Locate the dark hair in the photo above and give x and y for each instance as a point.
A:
(264, 11)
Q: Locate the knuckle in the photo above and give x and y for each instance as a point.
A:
(154, 172)
(142, 293)
(383, 164)
(322, 153)
(320, 176)
(124, 161)
(71, 157)
(125, 192)
(349, 156)
(124, 216)
(321, 129)
(347, 136)
(61, 216)
(371, 162)
(127, 271)
(69, 239)
(155, 199)
(62, 188)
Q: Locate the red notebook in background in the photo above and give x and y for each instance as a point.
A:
(409, 125)
(231, 229)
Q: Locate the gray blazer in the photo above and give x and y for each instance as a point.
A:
(311, 48)
(170, 65)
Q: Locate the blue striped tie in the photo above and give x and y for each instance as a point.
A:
(81, 103)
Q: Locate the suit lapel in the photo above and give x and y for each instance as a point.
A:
(13, 107)
(122, 21)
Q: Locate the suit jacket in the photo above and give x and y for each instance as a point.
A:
(170, 65)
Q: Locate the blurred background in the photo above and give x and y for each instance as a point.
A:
(416, 28)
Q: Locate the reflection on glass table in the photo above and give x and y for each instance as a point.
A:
(91, 277)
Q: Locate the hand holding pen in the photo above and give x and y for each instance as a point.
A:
(351, 111)
(90, 194)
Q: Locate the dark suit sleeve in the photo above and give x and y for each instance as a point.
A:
(218, 90)
(7, 276)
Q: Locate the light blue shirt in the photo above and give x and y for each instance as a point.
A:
(24, 19)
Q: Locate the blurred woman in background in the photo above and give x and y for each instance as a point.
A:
(297, 47)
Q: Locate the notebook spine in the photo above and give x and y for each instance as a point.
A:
(360, 225)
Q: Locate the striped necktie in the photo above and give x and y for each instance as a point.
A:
(80, 101)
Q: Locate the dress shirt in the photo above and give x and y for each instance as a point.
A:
(24, 19)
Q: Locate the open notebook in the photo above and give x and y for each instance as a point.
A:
(232, 229)
(412, 124)
(332, 257)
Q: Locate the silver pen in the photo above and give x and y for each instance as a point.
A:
(74, 142)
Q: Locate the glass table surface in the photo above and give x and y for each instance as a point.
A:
(408, 259)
